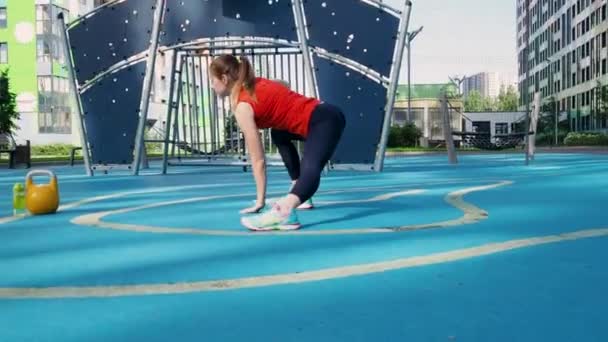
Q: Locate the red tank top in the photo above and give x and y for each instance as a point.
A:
(279, 107)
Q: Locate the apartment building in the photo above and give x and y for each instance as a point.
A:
(562, 54)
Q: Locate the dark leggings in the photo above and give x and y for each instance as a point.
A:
(324, 132)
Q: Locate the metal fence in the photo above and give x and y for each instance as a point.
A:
(200, 127)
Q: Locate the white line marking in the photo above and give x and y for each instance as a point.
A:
(379, 198)
(292, 278)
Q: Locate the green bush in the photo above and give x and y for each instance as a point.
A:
(154, 147)
(66, 149)
(406, 136)
(586, 139)
(52, 150)
(545, 139)
(394, 137)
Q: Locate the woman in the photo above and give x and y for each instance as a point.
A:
(259, 103)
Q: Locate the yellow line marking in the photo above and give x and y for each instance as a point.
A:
(72, 205)
(471, 214)
(293, 278)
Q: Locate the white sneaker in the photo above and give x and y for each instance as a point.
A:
(307, 205)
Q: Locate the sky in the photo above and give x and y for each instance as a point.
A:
(461, 37)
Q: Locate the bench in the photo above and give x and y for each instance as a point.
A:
(17, 154)
(73, 154)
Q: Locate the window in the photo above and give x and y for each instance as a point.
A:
(3, 53)
(44, 84)
(55, 119)
(573, 102)
(3, 17)
(43, 19)
(573, 79)
(502, 128)
(43, 49)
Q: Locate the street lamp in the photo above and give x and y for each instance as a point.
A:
(410, 37)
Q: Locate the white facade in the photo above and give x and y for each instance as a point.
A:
(488, 84)
(80, 7)
(567, 56)
(495, 122)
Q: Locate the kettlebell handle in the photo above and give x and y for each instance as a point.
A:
(31, 174)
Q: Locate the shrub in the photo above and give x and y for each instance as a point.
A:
(586, 139)
(406, 136)
(52, 150)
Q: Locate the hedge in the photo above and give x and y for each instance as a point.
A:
(586, 139)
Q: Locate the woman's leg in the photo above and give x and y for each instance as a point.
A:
(284, 142)
(326, 127)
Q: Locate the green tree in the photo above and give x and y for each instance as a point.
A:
(8, 106)
(488, 104)
(473, 102)
(602, 102)
(546, 118)
(508, 99)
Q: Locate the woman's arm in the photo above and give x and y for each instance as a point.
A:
(245, 119)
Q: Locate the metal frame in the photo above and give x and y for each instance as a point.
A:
(383, 6)
(93, 12)
(203, 42)
(392, 89)
(360, 68)
(298, 13)
(170, 106)
(74, 89)
(140, 57)
(310, 82)
(270, 57)
(147, 88)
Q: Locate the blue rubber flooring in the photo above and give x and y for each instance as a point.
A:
(383, 257)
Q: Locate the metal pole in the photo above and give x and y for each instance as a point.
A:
(447, 128)
(170, 103)
(159, 9)
(392, 88)
(556, 105)
(195, 109)
(74, 89)
(202, 111)
(306, 55)
(409, 79)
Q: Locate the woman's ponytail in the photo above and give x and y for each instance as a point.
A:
(246, 80)
(240, 75)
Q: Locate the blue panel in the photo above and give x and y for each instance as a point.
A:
(111, 115)
(188, 20)
(113, 34)
(362, 101)
(353, 29)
